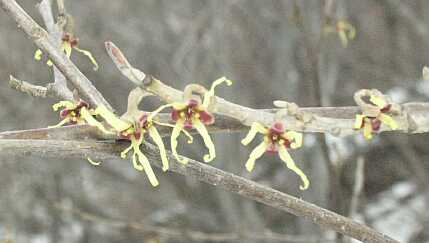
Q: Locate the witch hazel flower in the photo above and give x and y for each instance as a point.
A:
(276, 140)
(135, 130)
(193, 113)
(376, 112)
(77, 112)
(68, 43)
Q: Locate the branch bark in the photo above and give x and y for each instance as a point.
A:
(42, 39)
(202, 172)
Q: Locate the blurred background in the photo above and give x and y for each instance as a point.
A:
(273, 50)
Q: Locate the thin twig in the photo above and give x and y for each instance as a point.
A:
(42, 39)
(172, 233)
(199, 171)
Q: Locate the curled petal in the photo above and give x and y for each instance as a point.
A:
(359, 121)
(89, 55)
(173, 141)
(378, 101)
(125, 151)
(190, 138)
(93, 162)
(388, 120)
(209, 94)
(87, 116)
(65, 103)
(296, 137)
(254, 129)
(112, 119)
(285, 156)
(367, 130)
(38, 55)
(207, 140)
(255, 154)
(136, 163)
(153, 133)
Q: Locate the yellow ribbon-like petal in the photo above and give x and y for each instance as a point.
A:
(254, 129)
(209, 94)
(153, 133)
(85, 114)
(256, 153)
(65, 103)
(207, 140)
(118, 124)
(93, 162)
(378, 101)
(61, 123)
(38, 55)
(190, 138)
(89, 55)
(66, 48)
(143, 161)
(367, 130)
(285, 157)
(359, 121)
(343, 37)
(296, 137)
(388, 120)
(157, 111)
(173, 141)
(178, 105)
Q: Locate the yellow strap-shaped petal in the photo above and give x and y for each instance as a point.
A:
(358, 121)
(254, 129)
(93, 162)
(178, 105)
(89, 55)
(296, 137)
(157, 111)
(173, 141)
(190, 138)
(285, 157)
(135, 145)
(64, 121)
(118, 124)
(367, 130)
(153, 133)
(388, 120)
(85, 114)
(66, 48)
(38, 54)
(125, 151)
(343, 37)
(145, 163)
(65, 103)
(207, 140)
(256, 153)
(209, 94)
(378, 101)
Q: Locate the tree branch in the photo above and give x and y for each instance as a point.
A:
(338, 121)
(42, 39)
(202, 172)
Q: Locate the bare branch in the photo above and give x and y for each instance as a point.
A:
(41, 38)
(199, 171)
(337, 121)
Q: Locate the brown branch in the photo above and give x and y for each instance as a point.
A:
(42, 39)
(202, 172)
